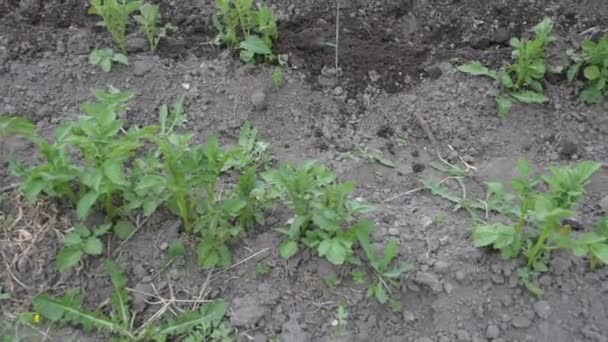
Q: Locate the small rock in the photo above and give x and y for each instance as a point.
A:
(429, 279)
(259, 101)
(426, 222)
(447, 287)
(463, 335)
(492, 331)
(604, 204)
(246, 311)
(542, 309)
(521, 322)
(338, 91)
(135, 43)
(142, 67)
(501, 36)
(393, 231)
(408, 316)
(186, 86)
(139, 298)
(146, 280)
(434, 72)
(327, 82)
(460, 275)
(291, 331)
(441, 267)
(163, 246)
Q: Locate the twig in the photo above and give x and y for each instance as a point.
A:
(403, 194)
(241, 262)
(425, 128)
(9, 187)
(8, 269)
(203, 289)
(138, 226)
(337, 35)
(165, 300)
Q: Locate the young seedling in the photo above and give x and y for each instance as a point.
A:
(277, 77)
(252, 31)
(386, 277)
(115, 15)
(148, 21)
(105, 149)
(195, 325)
(55, 174)
(324, 217)
(105, 57)
(252, 151)
(520, 81)
(593, 61)
(82, 241)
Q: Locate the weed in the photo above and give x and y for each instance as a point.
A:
(277, 77)
(148, 21)
(193, 325)
(593, 61)
(262, 269)
(115, 15)
(332, 281)
(521, 80)
(535, 216)
(79, 242)
(386, 277)
(324, 217)
(252, 31)
(252, 152)
(358, 276)
(105, 57)
(103, 144)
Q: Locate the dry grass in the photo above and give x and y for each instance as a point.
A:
(28, 240)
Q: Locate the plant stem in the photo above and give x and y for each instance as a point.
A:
(540, 243)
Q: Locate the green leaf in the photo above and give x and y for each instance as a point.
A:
(68, 257)
(529, 97)
(113, 171)
(176, 249)
(573, 71)
(485, 235)
(600, 251)
(477, 69)
(334, 250)
(210, 314)
(504, 105)
(288, 249)
(592, 72)
(120, 58)
(380, 293)
(150, 181)
(380, 158)
(255, 45)
(123, 229)
(85, 203)
(93, 246)
(106, 65)
(55, 310)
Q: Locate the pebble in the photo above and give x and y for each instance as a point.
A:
(393, 231)
(429, 279)
(408, 316)
(259, 101)
(338, 91)
(163, 246)
(521, 322)
(492, 331)
(441, 267)
(542, 309)
(463, 335)
(142, 67)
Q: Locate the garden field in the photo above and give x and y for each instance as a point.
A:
(362, 170)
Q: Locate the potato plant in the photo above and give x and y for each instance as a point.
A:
(115, 15)
(250, 30)
(522, 80)
(592, 62)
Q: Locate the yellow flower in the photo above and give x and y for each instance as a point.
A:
(36, 318)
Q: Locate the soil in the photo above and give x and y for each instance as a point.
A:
(396, 68)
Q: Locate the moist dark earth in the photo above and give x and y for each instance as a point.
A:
(396, 70)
